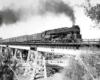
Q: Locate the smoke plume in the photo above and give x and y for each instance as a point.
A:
(57, 7)
(11, 15)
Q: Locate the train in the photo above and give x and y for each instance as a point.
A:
(63, 35)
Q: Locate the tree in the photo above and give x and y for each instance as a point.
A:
(92, 11)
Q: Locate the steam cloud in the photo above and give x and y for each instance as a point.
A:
(57, 7)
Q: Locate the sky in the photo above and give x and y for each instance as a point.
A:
(27, 17)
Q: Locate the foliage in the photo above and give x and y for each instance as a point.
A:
(91, 58)
(75, 71)
(5, 72)
(84, 67)
(92, 11)
(92, 61)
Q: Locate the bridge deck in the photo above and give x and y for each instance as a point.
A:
(84, 43)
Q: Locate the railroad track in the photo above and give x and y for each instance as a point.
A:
(53, 44)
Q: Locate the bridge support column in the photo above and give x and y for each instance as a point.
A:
(37, 61)
(14, 53)
(45, 71)
(1, 49)
(34, 65)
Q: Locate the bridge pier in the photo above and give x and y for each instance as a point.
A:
(38, 64)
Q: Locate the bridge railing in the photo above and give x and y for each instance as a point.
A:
(91, 40)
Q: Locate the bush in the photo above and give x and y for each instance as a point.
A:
(86, 67)
(75, 71)
(92, 61)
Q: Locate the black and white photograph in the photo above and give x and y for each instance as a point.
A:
(49, 39)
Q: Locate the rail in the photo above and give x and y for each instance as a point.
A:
(84, 42)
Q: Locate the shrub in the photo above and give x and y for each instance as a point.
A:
(75, 71)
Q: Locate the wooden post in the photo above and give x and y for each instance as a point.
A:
(35, 64)
(14, 57)
(21, 55)
(26, 69)
(28, 55)
(0, 49)
(45, 71)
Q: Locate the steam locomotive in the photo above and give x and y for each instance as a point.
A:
(63, 35)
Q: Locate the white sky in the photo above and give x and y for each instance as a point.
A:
(40, 23)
